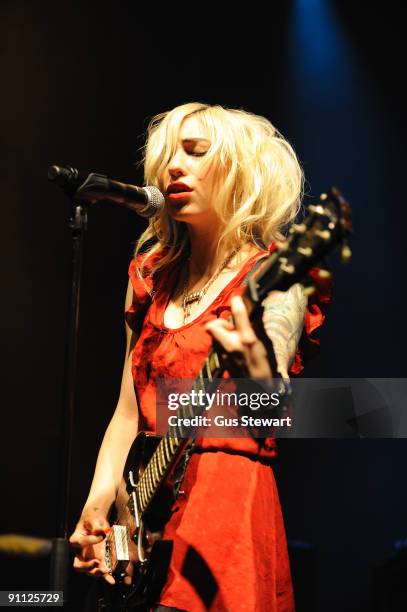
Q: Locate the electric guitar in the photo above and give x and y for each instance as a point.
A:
(154, 467)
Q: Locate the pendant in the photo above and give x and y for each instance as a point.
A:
(196, 296)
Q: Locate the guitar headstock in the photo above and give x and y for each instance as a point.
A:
(326, 226)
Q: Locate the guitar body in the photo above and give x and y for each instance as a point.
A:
(137, 556)
(159, 511)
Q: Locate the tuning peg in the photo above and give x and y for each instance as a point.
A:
(298, 228)
(316, 209)
(282, 245)
(324, 234)
(346, 253)
(306, 251)
(324, 273)
(287, 268)
(307, 291)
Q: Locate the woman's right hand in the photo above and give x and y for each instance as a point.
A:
(89, 538)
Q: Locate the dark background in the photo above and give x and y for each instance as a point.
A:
(78, 84)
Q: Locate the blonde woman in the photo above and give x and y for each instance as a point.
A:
(232, 184)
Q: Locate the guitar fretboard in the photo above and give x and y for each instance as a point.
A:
(176, 438)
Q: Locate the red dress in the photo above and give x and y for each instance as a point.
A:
(230, 549)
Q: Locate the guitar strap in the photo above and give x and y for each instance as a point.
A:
(253, 270)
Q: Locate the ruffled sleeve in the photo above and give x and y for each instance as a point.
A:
(143, 289)
(309, 343)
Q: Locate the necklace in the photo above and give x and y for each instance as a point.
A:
(196, 296)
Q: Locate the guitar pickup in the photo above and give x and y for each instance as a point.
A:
(120, 542)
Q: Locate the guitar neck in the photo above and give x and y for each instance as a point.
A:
(177, 437)
(327, 225)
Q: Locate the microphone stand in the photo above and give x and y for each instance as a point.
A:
(83, 189)
(60, 552)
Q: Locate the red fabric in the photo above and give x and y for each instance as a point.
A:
(309, 343)
(179, 353)
(230, 549)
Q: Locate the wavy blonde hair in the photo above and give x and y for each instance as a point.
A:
(262, 184)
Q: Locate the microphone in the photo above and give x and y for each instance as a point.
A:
(90, 187)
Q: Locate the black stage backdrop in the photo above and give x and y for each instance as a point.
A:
(79, 82)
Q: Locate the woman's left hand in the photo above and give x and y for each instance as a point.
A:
(239, 337)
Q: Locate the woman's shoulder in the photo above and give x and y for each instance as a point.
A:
(144, 279)
(141, 272)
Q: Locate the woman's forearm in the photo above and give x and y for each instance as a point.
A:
(111, 460)
(116, 444)
(283, 321)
